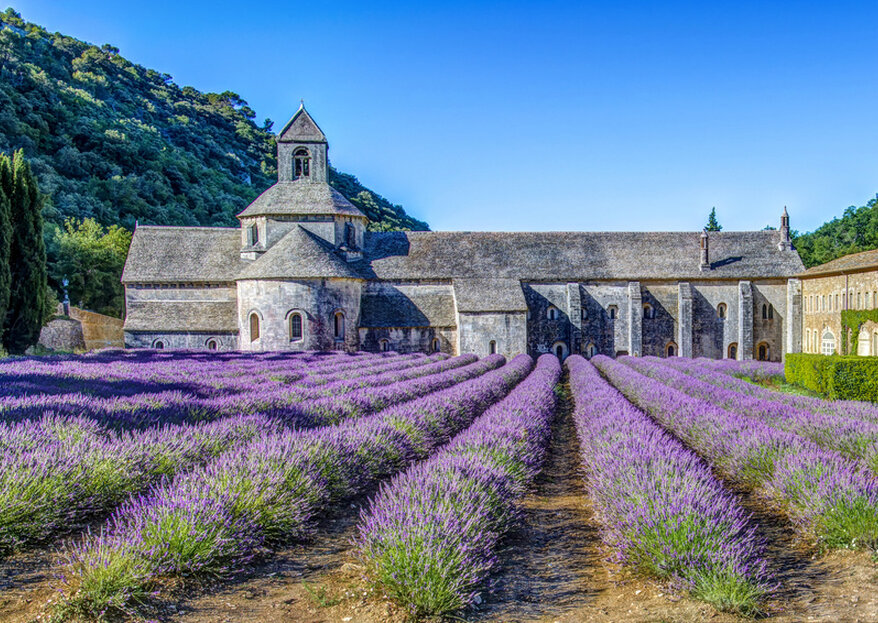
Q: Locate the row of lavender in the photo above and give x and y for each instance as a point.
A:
(827, 496)
(854, 438)
(58, 472)
(429, 536)
(207, 521)
(661, 510)
(724, 376)
(212, 397)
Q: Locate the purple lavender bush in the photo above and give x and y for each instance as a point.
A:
(429, 536)
(661, 510)
(828, 497)
(270, 491)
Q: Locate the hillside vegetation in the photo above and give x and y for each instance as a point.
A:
(112, 140)
(855, 231)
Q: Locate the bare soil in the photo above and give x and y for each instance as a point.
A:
(553, 569)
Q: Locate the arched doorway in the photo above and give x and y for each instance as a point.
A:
(763, 352)
(671, 349)
(733, 350)
(560, 350)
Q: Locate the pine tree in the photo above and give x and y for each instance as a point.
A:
(27, 301)
(712, 223)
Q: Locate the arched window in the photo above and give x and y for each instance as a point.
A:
(721, 311)
(648, 311)
(733, 350)
(296, 332)
(384, 345)
(671, 350)
(836, 302)
(338, 325)
(434, 345)
(875, 344)
(301, 163)
(584, 313)
(762, 352)
(552, 313)
(350, 236)
(611, 310)
(212, 344)
(591, 350)
(560, 350)
(807, 339)
(254, 326)
(827, 342)
(492, 347)
(764, 311)
(158, 344)
(859, 300)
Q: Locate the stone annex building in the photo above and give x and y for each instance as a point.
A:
(301, 272)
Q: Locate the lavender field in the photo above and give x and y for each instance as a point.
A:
(163, 485)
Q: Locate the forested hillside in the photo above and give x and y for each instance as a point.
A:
(856, 230)
(117, 142)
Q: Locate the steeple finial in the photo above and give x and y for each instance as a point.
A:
(302, 103)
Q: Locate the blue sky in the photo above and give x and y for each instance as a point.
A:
(544, 115)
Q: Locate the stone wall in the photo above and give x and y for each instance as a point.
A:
(508, 331)
(98, 330)
(318, 300)
(190, 340)
(62, 334)
(824, 298)
(409, 339)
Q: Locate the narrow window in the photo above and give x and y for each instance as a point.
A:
(338, 325)
(559, 352)
(648, 311)
(434, 345)
(302, 163)
(859, 300)
(771, 312)
(295, 327)
(836, 302)
(552, 313)
(612, 311)
(350, 236)
(253, 235)
(254, 327)
(764, 311)
(212, 345)
(591, 350)
(721, 310)
(492, 347)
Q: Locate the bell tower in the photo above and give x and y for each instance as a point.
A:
(302, 150)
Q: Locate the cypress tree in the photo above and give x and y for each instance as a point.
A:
(712, 223)
(5, 239)
(27, 301)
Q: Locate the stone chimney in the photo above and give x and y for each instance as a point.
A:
(705, 255)
(784, 244)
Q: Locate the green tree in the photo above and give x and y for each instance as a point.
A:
(91, 258)
(712, 223)
(27, 257)
(5, 240)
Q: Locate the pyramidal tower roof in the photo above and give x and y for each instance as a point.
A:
(301, 128)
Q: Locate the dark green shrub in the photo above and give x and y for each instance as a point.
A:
(834, 376)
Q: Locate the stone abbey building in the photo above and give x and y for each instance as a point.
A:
(301, 272)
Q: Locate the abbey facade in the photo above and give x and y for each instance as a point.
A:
(303, 273)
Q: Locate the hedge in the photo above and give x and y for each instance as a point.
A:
(835, 377)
